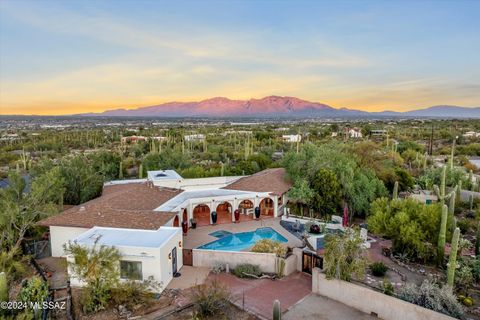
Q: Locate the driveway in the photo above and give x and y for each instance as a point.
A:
(317, 307)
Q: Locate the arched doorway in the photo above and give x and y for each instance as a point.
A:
(176, 222)
(201, 213)
(224, 212)
(266, 207)
(246, 210)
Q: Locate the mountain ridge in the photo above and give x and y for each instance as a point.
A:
(275, 106)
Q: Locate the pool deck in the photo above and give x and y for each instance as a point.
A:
(200, 236)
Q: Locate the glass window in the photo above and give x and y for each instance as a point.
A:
(131, 270)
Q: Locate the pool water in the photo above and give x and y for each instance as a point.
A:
(243, 240)
(220, 234)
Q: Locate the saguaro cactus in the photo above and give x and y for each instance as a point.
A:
(3, 287)
(440, 192)
(140, 171)
(395, 190)
(477, 242)
(120, 170)
(451, 208)
(452, 261)
(442, 235)
(277, 312)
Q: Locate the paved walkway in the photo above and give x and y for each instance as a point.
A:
(191, 276)
(199, 236)
(257, 296)
(317, 307)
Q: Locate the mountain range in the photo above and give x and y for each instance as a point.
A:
(277, 106)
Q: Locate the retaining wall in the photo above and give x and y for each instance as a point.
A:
(370, 301)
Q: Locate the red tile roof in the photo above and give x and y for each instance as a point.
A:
(269, 180)
(128, 205)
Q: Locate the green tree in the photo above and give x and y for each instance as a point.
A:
(326, 192)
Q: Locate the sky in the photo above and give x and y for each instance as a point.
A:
(67, 57)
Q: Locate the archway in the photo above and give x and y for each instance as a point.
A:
(246, 210)
(201, 213)
(224, 212)
(266, 207)
(176, 222)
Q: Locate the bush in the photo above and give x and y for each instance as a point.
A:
(247, 270)
(211, 299)
(378, 268)
(218, 267)
(133, 293)
(387, 287)
(431, 296)
(270, 246)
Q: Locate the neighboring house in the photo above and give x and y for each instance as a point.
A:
(354, 133)
(163, 202)
(471, 134)
(133, 139)
(378, 132)
(292, 137)
(194, 137)
(424, 196)
(334, 134)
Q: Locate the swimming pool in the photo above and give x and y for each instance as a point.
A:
(243, 240)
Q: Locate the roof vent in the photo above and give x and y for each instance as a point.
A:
(82, 208)
(159, 175)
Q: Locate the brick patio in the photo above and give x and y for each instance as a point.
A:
(260, 294)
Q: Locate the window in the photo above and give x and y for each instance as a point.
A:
(131, 270)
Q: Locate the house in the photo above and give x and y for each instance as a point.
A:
(471, 134)
(378, 132)
(334, 134)
(353, 133)
(292, 137)
(424, 196)
(134, 139)
(143, 217)
(194, 137)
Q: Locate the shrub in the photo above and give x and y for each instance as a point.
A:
(218, 267)
(133, 293)
(247, 270)
(431, 296)
(211, 299)
(378, 268)
(387, 287)
(270, 246)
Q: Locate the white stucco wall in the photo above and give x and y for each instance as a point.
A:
(155, 261)
(61, 235)
(209, 258)
(368, 300)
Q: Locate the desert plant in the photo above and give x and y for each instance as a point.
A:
(270, 246)
(378, 268)
(33, 290)
(429, 295)
(247, 270)
(464, 278)
(344, 256)
(211, 299)
(387, 287)
(477, 242)
(440, 191)
(442, 236)
(277, 312)
(218, 267)
(395, 190)
(452, 261)
(3, 287)
(133, 293)
(280, 266)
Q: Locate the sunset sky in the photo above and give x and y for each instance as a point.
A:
(65, 57)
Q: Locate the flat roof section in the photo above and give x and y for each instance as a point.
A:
(127, 237)
(163, 175)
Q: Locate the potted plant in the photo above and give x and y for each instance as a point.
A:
(214, 217)
(315, 228)
(193, 223)
(236, 214)
(257, 212)
(184, 227)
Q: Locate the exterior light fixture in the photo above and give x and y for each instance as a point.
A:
(170, 256)
(179, 244)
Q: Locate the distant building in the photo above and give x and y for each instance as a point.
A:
(194, 137)
(471, 134)
(354, 133)
(135, 139)
(378, 132)
(292, 137)
(334, 134)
